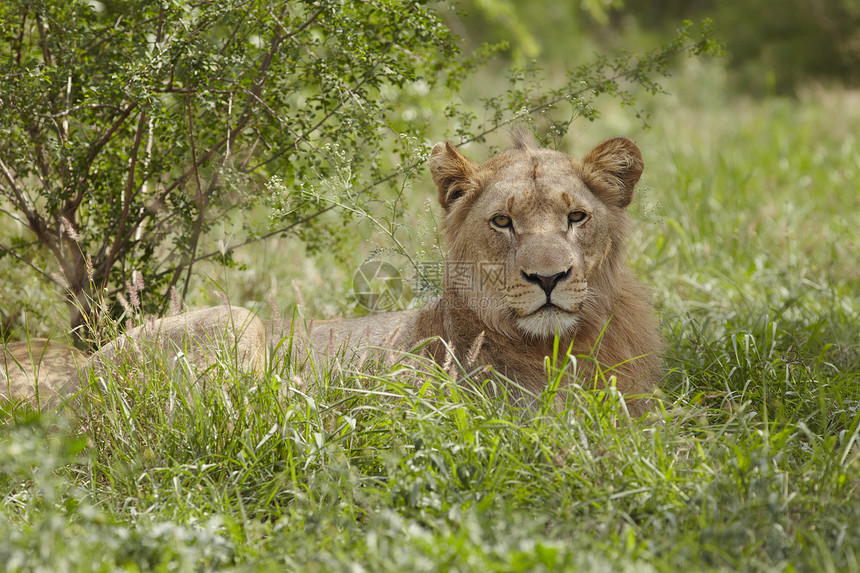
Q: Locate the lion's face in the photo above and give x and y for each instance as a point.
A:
(533, 227)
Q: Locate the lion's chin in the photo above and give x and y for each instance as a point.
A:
(547, 322)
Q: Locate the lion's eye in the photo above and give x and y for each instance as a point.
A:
(501, 221)
(576, 217)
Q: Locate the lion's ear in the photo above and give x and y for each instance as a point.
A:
(452, 173)
(612, 169)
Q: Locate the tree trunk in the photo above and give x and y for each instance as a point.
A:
(79, 295)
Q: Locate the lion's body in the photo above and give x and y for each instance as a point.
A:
(536, 251)
(54, 371)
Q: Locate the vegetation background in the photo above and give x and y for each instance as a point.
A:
(746, 229)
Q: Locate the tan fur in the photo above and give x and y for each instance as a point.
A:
(39, 371)
(559, 277)
(201, 337)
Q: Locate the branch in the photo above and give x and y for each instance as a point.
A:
(201, 204)
(15, 217)
(234, 132)
(43, 40)
(119, 240)
(68, 111)
(44, 171)
(30, 264)
(107, 34)
(104, 139)
(94, 152)
(20, 38)
(301, 28)
(334, 110)
(270, 234)
(298, 138)
(566, 97)
(261, 75)
(254, 95)
(33, 219)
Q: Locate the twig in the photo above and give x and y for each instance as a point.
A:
(106, 137)
(20, 199)
(14, 217)
(20, 38)
(201, 205)
(30, 264)
(334, 110)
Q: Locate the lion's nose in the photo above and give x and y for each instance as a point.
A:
(546, 282)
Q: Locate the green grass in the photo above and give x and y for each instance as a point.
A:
(747, 232)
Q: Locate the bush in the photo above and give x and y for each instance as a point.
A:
(129, 128)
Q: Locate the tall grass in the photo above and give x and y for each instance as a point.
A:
(747, 233)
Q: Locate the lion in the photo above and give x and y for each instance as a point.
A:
(554, 229)
(536, 261)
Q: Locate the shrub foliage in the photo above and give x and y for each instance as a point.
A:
(128, 128)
